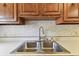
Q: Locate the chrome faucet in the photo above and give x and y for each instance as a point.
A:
(41, 37)
(41, 33)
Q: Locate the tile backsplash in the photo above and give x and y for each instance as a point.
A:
(32, 29)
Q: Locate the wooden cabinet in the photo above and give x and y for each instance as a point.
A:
(8, 13)
(70, 14)
(12, 13)
(28, 10)
(41, 11)
(51, 9)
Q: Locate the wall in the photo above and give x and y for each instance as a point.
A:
(31, 29)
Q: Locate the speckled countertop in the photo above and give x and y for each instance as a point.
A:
(72, 45)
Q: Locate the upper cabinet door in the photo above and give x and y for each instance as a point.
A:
(8, 13)
(1, 11)
(71, 12)
(51, 9)
(28, 9)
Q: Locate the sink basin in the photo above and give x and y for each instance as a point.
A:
(31, 44)
(47, 47)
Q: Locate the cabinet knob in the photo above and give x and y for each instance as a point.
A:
(74, 5)
(4, 4)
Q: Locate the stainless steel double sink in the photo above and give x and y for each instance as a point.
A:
(46, 47)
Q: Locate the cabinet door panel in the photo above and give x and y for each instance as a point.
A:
(9, 10)
(6, 12)
(71, 12)
(28, 9)
(51, 9)
(1, 11)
